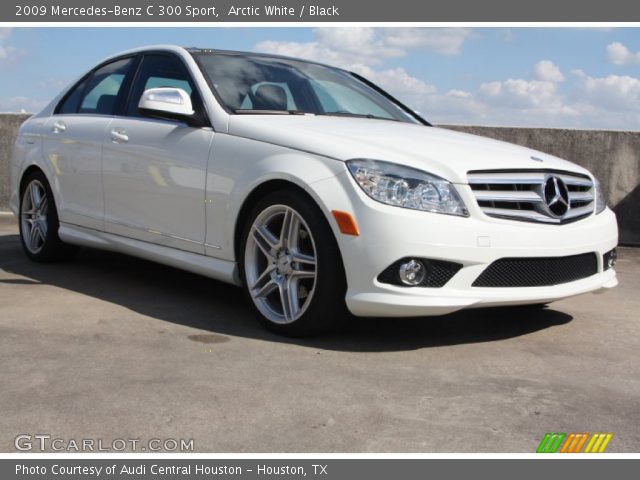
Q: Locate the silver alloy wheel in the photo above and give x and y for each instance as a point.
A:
(35, 207)
(280, 264)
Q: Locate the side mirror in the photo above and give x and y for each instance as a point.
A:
(167, 103)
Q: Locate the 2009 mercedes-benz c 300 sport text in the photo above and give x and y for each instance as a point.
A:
(307, 185)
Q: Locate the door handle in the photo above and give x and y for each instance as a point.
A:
(119, 135)
(59, 127)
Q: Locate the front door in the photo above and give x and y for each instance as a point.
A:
(154, 171)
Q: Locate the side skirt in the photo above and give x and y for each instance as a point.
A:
(215, 268)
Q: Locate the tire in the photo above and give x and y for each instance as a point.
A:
(38, 221)
(303, 267)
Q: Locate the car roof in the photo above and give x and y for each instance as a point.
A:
(191, 50)
(255, 54)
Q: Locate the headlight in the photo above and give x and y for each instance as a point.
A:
(406, 187)
(601, 202)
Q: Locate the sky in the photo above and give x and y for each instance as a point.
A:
(541, 77)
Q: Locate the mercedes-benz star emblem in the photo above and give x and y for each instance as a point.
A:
(556, 196)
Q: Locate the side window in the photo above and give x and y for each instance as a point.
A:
(72, 100)
(159, 71)
(104, 87)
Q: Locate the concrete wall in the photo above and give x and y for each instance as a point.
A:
(614, 157)
(9, 123)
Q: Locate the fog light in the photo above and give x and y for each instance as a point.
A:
(412, 272)
(610, 259)
(425, 272)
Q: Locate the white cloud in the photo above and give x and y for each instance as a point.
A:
(547, 71)
(21, 104)
(618, 54)
(458, 94)
(347, 47)
(507, 35)
(524, 103)
(519, 94)
(593, 102)
(445, 41)
(613, 92)
(533, 101)
(452, 106)
(397, 80)
(5, 53)
(8, 53)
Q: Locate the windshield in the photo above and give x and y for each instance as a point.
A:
(247, 84)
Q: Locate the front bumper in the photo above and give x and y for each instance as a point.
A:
(388, 234)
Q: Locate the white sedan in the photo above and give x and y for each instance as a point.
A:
(310, 187)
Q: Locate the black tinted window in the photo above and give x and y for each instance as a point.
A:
(159, 71)
(104, 87)
(72, 101)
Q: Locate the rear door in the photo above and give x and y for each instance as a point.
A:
(154, 171)
(73, 138)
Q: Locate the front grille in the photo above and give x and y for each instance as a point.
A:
(439, 272)
(537, 271)
(520, 195)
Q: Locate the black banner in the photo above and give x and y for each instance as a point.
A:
(223, 11)
(312, 469)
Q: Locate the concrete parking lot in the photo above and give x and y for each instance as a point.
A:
(108, 347)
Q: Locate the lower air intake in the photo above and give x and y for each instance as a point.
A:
(537, 271)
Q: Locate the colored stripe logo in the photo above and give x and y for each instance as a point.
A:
(555, 442)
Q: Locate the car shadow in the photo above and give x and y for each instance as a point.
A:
(179, 297)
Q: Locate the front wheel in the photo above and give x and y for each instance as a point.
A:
(291, 267)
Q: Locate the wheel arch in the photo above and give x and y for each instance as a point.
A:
(50, 175)
(28, 171)
(260, 191)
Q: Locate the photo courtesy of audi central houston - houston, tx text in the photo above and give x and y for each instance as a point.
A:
(297, 239)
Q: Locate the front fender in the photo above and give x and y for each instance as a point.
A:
(238, 166)
(27, 152)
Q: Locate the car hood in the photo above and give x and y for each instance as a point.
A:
(442, 152)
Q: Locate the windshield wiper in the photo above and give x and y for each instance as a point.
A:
(269, 112)
(357, 115)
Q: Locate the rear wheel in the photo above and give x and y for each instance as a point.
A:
(291, 267)
(39, 222)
